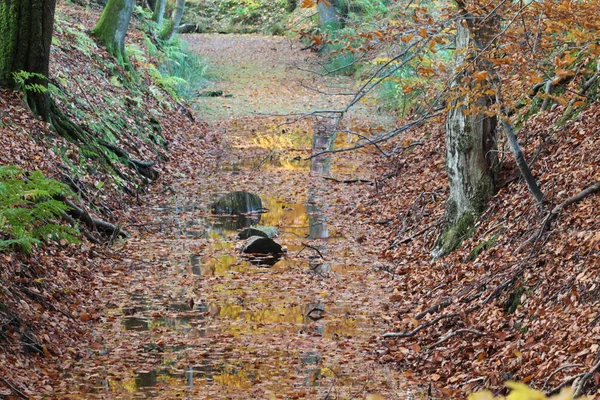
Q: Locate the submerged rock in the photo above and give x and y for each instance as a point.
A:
(261, 245)
(262, 231)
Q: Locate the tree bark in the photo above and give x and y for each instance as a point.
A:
(471, 156)
(25, 38)
(159, 12)
(328, 15)
(170, 28)
(112, 27)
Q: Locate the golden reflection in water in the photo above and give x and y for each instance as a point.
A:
(234, 378)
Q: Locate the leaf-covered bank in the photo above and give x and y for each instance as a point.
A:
(48, 300)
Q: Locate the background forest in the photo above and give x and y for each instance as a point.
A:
(466, 170)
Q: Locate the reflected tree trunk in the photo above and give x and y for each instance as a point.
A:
(323, 139)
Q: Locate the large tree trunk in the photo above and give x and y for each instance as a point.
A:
(112, 27)
(159, 12)
(328, 15)
(170, 28)
(25, 38)
(471, 156)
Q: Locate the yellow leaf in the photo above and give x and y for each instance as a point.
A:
(484, 395)
(520, 391)
(517, 353)
(423, 32)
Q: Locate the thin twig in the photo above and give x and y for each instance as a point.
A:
(454, 333)
(556, 371)
(13, 388)
(434, 321)
(584, 378)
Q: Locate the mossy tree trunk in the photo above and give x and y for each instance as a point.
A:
(159, 12)
(112, 27)
(25, 38)
(471, 153)
(170, 28)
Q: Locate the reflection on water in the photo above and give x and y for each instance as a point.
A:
(135, 324)
(236, 313)
(236, 210)
(323, 140)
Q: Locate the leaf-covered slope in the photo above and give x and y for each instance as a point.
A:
(515, 302)
(49, 298)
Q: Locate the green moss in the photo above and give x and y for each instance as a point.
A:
(481, 195)
(483, 246)
(514, 300)
(455, 234)
(108, 26)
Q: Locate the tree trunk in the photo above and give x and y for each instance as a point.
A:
(328, 16)
(25, 38)
(170, 28)
(112, 27)
(159, 12)
(291, 5)
(471, 156)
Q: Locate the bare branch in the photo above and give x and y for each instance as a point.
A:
(391, 335)
(451, 334)
(382, 138)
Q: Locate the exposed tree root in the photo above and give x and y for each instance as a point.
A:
(96, 224)
(552, 215)
(143, 168)
(454, 333)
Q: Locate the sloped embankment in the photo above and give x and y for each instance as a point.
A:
(48, 299)
(515, 302)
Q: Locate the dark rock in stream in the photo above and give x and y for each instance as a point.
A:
(261, 245)
(262, 231)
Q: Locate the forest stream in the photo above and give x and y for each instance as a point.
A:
(192, 317)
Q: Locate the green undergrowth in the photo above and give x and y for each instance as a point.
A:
(29, 212)
(117, 111)
(237, 16)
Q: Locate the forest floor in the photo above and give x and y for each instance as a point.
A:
(176, 311)
(187, 315)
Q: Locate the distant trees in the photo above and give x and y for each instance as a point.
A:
(167, 32)
(112, 27)
(159, 11)
(511, 61)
